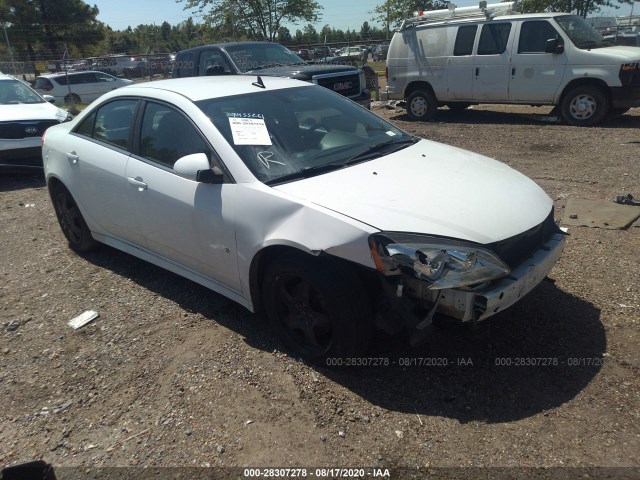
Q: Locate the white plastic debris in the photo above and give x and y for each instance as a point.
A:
(82, 319)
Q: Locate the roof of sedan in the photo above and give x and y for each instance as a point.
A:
(201, 88)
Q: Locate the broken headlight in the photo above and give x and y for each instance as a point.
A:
(443, 263)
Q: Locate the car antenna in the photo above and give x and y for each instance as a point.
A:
(259, 83)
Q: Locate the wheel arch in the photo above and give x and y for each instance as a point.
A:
(419, 85)
(266, 255)
(585, 81)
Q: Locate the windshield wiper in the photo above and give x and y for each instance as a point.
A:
(376, 149)
(306, 172)
(267, 65)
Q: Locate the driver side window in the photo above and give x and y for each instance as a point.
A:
(167, 135)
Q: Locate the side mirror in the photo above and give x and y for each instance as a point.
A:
(49, 98)
(554, 46)
(196, 167)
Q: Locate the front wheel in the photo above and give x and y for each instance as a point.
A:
(421, 105)
(585, 106)
(71, 222)
(72, 98)
(318, 309)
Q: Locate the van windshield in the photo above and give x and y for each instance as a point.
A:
(581, 34)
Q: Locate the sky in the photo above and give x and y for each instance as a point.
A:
(339, 14)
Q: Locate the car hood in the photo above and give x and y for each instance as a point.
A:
(433, 189)
(31, 111)
(605, 54)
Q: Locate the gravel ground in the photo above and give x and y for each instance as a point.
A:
(171, 374)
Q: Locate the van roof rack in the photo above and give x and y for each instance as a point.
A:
(454, 13)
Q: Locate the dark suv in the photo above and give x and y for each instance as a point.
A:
(270, 59)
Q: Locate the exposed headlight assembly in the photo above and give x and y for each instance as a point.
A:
(443, 263)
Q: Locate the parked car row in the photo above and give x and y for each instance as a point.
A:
(122, 65)
(78, 87)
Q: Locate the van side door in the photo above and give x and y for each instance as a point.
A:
(461, 67)
(492, 62)
(535, 76)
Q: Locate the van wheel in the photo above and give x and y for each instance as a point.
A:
(317, 308)
(421, 105)
(72, 98)
(585, 106)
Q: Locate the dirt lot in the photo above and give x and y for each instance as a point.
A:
(171, 374)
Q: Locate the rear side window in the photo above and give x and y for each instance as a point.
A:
(493, 39)
(184, 64)
(464, 40)
(534, 36)
(111, 123)
(43, 84)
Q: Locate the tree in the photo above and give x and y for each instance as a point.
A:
(284, 36)
(580, 7)
(392, 12)
(261, 18)
(45, 26)
(365, 31)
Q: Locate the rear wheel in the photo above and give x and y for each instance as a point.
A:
(421, 105)
(71, 98)
(318, 309)
(71, 222)
(585, 106)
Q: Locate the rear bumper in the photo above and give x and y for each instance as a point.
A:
(625, 97)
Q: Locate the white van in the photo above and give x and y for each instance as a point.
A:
(458, 57)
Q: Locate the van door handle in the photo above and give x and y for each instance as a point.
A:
(477, 71)
(513, 72)
(138, 182)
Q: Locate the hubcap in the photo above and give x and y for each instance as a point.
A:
(304, 316)
(419, 106)
(582, 107)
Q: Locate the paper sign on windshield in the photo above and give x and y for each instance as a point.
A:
(249, 131)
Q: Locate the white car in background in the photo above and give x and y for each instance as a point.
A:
(24, 117)
(78, 87)
(287, 197)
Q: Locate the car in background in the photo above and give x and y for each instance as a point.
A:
(286, 197)
(24, 117)
(304, 53)
(380, 53)
(78, 87)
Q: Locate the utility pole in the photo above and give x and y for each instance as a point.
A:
(6, 36)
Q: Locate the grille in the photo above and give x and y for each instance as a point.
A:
(26, 129)
(347, 85)
(518, 248)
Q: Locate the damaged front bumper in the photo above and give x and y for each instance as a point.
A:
(474, 304)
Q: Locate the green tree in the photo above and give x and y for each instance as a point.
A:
(365, 31)
(260, 18)
(579, 7)
(392, 12)
(44, 26)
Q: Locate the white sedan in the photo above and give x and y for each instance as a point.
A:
(287, 197)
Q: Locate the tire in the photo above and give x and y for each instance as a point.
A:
(71, 222)
(318, 309)
(585, 106)
(421, 105)
(458, 106)
(71, 98)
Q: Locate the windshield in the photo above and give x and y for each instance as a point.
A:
(583, 35)
(16, 92)
(252, 56)
(282, 135)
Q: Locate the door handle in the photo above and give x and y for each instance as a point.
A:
(73, 157)
(138, 182)
(477, 71)
(513, 72)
